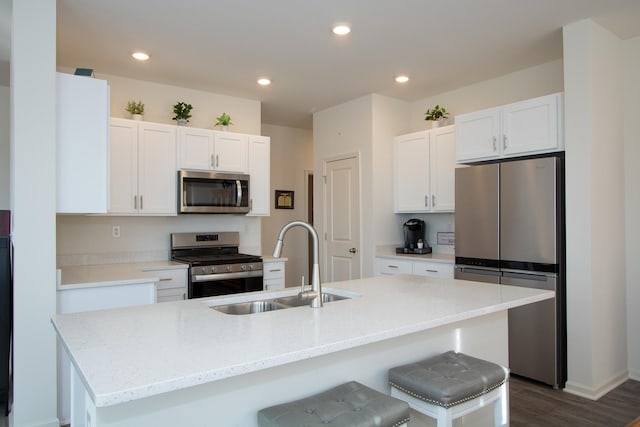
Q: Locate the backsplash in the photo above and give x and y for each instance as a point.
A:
(88, 240)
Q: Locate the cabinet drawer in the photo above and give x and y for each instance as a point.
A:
(271, 284)
(175, 294)
(170, 279)
(273, 270)
(393, 266)
(433, 269)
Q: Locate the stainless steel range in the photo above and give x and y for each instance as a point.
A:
(216, 266)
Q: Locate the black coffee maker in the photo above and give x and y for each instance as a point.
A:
(415, 241)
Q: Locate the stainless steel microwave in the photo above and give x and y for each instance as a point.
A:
(212, 192)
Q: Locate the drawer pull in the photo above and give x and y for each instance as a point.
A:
(432, 271)
(274, 271)
(392, 266)
(165, 279)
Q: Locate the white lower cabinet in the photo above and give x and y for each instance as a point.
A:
(391, 266)
(172, 285)
(75, 300)
(273, 275)
(433, 269)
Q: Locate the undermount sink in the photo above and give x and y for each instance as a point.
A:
(299, 300)
(250, 307)
(262, 306)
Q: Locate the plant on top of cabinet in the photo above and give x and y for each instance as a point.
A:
(224, 121)
(436, 114)
(136, 109)
(182, 112)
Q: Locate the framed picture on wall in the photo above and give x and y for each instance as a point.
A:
(284, 199)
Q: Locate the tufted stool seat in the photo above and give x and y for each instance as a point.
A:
(451, 385)
(349, 404)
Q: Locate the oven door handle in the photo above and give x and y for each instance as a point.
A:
(224, 276)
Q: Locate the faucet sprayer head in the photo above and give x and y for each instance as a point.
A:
(277, 251)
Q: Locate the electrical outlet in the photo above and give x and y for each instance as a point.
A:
(115, 231)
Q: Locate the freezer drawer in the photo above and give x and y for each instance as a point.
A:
(475, 274)
(533, 332)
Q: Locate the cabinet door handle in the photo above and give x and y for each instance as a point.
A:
(213, 162)
(426, 201)
(495, 141)
(504, 141)
(184, 296)
(250, 204)
(141, 203)
(217, 162)
(433, 200)
(135, 202)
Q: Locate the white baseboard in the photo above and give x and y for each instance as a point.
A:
(634, 374)
(595, 393)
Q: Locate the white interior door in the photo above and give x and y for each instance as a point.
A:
(342, 202)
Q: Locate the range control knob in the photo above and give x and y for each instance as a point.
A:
(243, 267)
(213, 270)
(228, 268)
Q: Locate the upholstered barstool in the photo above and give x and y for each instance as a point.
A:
(346, 405)
(451, 385)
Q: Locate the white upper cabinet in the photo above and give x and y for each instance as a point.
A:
(259, 172)
(82, 145)
(424, 171)
(231, 152)
(142, 168)
(443, 164)
(195, 148)
(208, 150)
(477, 135)
(528, 127)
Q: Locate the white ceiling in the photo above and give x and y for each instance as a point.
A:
(224, 47)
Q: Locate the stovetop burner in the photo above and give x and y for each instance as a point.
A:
(213, 248)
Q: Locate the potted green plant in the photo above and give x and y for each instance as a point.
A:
(182, 112)
(136, 109)
(436, 115)
(224, 121)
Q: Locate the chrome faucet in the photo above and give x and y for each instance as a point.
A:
(316, 289)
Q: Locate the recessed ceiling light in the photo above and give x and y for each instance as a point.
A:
(140, 56)
(264, 82)
(402, 79)
(341, 30)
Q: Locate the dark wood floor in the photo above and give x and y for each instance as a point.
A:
(536, 405)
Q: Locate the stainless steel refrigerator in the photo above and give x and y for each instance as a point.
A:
(509, 224)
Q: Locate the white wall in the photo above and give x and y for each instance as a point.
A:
(5, 138)
(33, 202)
(596, 288)
(158, 100)
(631, 95)
(291, 156)
(531, 82)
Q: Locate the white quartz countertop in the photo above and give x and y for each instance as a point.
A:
(83, 276)
(389, 251)
(131, 353)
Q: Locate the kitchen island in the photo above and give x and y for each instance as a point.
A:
(184, 363)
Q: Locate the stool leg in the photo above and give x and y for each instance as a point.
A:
(501, 407)
(445, 417)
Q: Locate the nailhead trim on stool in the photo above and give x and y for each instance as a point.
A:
(455, 382)
(346, 405)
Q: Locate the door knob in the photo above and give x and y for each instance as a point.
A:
(353, 250)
